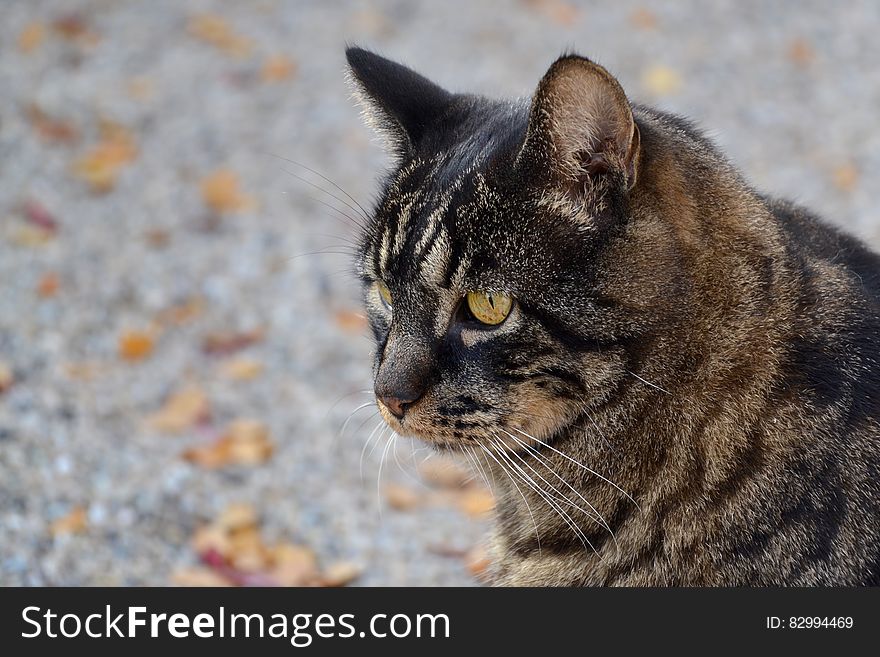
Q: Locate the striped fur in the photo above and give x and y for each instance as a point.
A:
(687, 391)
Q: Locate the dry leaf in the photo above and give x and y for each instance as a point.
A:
(100, 167)
(351, 321)
(800, 52)
(198, 576)
(40, 217)
(215, 31)
(245, 442)
(221, 193)
(48, 285)
(85, 371)
(7, 377)
(30, 236)
(135, 346)
(212, 537)
(221, 344)
(237, 516)
(158, 238)
(558, 11)
(241, 369)
(233, 550)
(661, 80)
(478, 562)
(140, 88)
(31, 37)
(846, 177)
(49, 129)
(402, 498)
(477, 502)
(182, 312)
(74, 28)
(644, 19)
(278, 68)
(293, 565)
(182, 410)
(341, 573)
(444, 473)
(74, 522)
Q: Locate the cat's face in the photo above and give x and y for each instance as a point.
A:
(479, 279)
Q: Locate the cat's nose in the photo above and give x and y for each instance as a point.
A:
(396, 405)
(399, 395)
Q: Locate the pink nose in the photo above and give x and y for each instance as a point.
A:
(395, 405)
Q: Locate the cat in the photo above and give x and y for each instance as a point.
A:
(670, 379)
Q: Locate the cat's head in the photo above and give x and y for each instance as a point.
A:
(483, 264)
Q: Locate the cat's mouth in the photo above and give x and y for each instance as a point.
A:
(444, 433)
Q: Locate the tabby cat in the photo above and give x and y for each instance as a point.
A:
(670, 378)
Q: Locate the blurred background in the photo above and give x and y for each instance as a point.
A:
(180, 336)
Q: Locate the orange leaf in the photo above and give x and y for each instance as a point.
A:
(246, 442)
(217, 32)
(135, 346)
(351, 321)
(800, 52)
(31, 37)
(444, 473)
(74, 522)
(558, 11)
(478, 562)
(278, 68)
(48, 128)
(402, 498)
(48, 285)
(477, 502)
(101, 166)
(846, 177)
(7, 377)
(221, 193)
(644, 19)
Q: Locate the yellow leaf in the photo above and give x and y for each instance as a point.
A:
(182, 410)
(662, 80)
(198, 576)
(215, 31)
(241, 369)
(341, 573)
(846, 177)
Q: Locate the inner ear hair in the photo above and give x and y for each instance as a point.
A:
(583, 123)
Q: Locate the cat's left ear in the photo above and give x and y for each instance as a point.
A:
(581, 124)
(398, 102)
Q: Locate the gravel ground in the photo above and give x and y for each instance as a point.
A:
(791, 91)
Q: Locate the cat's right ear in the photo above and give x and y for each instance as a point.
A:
(397, 102)
(581, 125)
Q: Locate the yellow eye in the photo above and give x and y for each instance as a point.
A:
(384, 293)
(489, 307)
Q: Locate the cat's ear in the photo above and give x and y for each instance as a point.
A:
(398, 102)
(581, 124)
